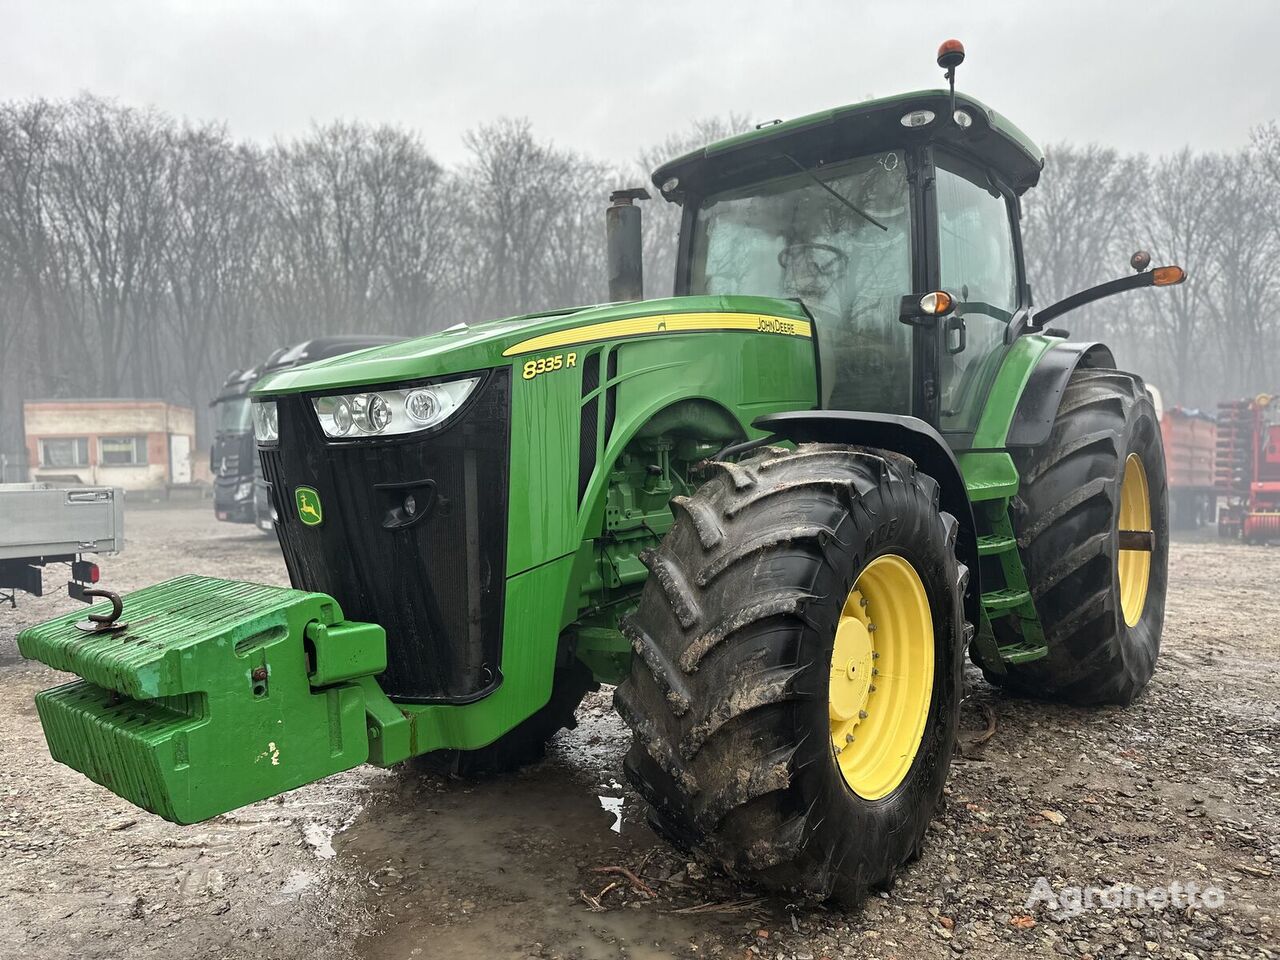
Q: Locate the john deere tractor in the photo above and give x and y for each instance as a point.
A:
(776, 510)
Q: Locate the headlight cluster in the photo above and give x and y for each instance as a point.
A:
(387, 412)
(266, 421)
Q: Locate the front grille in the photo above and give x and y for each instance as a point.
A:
(228, 451)
(436, 585)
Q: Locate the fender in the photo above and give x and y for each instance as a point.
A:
(1038, 406)
(911, 437)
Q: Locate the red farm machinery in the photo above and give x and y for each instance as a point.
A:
(1248, 468)
(1190, 448)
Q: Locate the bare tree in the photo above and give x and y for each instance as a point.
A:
(214, 195)
(139, 255)
(109, 219)
(1245, 265)
(514, 186)
(662, 219)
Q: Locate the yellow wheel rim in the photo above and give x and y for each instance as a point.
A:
(1134, 566)
(881, 677)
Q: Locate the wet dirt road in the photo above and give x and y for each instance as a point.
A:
(1183, 787)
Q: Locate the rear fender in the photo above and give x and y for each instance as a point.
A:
(1037, 407)
(912, 438)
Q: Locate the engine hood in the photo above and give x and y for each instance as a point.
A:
(467, 348)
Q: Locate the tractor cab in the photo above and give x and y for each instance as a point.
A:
(858, 212)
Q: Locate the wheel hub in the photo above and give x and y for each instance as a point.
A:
(881, 677)
(850, 666)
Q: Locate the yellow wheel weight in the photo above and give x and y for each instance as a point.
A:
(1134, 566)
(881, 682)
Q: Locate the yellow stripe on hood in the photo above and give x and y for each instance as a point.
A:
(663, 323)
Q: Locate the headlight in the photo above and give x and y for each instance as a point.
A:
(244, 490)
(266, 422)
(380, 413)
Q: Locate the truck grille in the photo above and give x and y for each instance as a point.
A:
(435, 585)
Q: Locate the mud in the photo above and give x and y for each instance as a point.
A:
(1182, 787)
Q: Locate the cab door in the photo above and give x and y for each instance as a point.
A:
(978, 262)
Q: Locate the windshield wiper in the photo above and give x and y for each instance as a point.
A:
(845, 200)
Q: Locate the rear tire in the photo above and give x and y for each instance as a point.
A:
(730, 696)
(1066, 518)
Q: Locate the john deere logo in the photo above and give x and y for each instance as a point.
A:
(309, 510)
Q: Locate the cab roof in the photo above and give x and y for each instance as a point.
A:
(858, 128)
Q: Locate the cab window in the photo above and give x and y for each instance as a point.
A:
(792, 237)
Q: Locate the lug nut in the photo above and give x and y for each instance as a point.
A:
(862, 714)
(848, 738)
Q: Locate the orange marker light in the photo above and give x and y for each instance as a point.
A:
(936, 304)
(950, 54)
(1167, 276)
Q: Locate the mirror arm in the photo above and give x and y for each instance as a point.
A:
(1110, 288)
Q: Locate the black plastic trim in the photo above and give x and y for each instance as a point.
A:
(911, 437)
(1038, 406)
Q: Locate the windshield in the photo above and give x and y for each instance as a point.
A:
(791, 238)
(233, 415)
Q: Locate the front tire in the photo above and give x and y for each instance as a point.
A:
(1101, 607)
(739, 713)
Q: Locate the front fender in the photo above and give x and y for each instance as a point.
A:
(910, 437)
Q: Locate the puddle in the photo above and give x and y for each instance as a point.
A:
(613, 805)
(320, 838)
(498, 868)
(298, 881)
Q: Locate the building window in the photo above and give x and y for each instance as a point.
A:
(64, 452)
(122, 451)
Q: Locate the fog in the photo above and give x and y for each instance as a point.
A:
(183, 189)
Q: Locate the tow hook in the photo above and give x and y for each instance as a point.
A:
(103, 622)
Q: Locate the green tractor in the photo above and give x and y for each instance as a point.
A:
(776, 510)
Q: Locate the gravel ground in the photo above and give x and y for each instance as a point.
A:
(1182, 788)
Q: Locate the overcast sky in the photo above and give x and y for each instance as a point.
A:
(611, 78)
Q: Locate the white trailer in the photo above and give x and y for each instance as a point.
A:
(41, 524)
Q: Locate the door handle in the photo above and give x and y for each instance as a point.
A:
(955, 325)
(88, 496)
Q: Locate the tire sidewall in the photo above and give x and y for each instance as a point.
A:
(863, 835)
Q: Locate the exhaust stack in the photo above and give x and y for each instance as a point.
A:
(624, 249)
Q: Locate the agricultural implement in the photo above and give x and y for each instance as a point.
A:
(1248, 468)
(776, 509)
(1190, 451)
